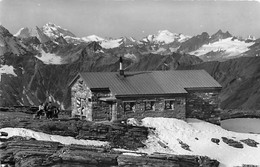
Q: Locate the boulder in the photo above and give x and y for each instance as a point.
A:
(250, 142)
(3, 134)
(215, 140)
(232, 143)
(184, 145)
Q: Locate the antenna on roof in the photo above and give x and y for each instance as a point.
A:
(121, 71)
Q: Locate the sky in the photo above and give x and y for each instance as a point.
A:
(135, 18)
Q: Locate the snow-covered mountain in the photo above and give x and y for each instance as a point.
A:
(222, 49)
(53, 31)
(165, 37)
(219, 46)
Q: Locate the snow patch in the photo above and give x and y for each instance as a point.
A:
(109, 44)
(132, 39)
(92, 38)
(46, 137)
(29, 99)
(23, 33)
(197, 134)
(49, 58)
(130, 56)
(70, 39)
(5, 69)
(160, 50)
(174, 49)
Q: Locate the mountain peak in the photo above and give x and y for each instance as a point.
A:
(53, 31)
(51, 24)
(165, 37)
(220, 35)
(251, 37)
(4, 32)
(219, 31)
(23, 33)
(165, 32)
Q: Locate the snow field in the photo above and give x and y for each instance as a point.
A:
(232, 47)
(197, 134)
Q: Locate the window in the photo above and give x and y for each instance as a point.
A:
(169, 105)
(129, 106)
(149, 105)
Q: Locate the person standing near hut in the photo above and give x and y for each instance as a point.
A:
(40, 111)
(49, 110)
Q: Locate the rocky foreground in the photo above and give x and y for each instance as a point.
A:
(20, 151)
(124, 139)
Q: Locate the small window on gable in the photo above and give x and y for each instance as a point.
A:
(169, 105)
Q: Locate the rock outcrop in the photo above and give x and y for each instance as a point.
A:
(232, 142)
(120, 135)
(31, 153)
(250, 142)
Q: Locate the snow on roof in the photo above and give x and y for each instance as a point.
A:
(46, 137)
(234, 47)
(197, 134)
(5, 69)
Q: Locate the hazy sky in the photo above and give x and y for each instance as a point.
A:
(136, 18)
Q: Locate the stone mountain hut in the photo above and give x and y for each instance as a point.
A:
(99, 96)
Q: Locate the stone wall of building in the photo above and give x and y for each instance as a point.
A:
(159, 107)
(101, 110)
(81, 100)
(203, 105)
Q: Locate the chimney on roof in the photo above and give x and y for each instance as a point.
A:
(121, 71)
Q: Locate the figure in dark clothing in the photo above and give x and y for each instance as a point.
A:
(49, 110)
(40, 111)
(55, 112)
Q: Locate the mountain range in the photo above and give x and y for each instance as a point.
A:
(36, 63)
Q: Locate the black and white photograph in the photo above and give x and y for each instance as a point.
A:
(129, 83)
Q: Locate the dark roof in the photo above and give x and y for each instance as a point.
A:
(150, 82)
